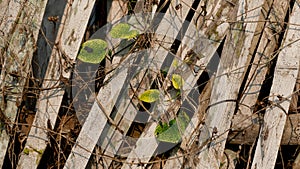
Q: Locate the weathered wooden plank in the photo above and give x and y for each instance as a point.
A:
(127, 111)
(69, 37)
(170, 29)
(239, 45)
(8, 14)
(191, 134)
(20, 25)
(188, 79)
(95, 122)
(207, 51)
(110, 150)
(119, 8)
(8, 17)
(285, 76)
(249, 135)
(268, 43)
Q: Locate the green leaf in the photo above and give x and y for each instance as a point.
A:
(122, 30)
(177, 81)
(150, 96)
(93, 51)
(172, 133)
(161, 128)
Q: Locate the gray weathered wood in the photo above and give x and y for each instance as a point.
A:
(240, 43)
(285, 76)
(69, 38)
(170, 30)
(207, 51)
(95, 122)
(268, 43)
(8, 14)
(249, 135)
(20, 25)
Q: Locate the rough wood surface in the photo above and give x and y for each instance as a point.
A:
(264, 54)
(95, 122)
(69, 38)
(8, 16)
(216, 31)
(170, 31)
(111, 134)
(239, 45)
(249, 134)
(20, 25)
(127, 110)
(118, 9)
(252, 42)
(285, 76)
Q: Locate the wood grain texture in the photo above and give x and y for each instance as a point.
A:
(8, 14)
(20, 25)
(275, 13)
(215, 30)
(240, 43)
(249, 134)
(68, 41)
(285, 76)
(167, 30)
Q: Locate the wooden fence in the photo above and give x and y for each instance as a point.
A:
(240, 74)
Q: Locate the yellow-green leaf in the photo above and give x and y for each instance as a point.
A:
(150, 95)
(93, 51)
(122, 30)
(177, 81)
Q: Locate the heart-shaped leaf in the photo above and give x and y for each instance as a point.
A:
(93, 51)
(177, 81)
(150, 95)
(122, 30)
(172, 133)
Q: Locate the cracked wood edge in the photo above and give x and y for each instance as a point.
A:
(69, 38)
(239, 45)
(285, 76)
(20, 40)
